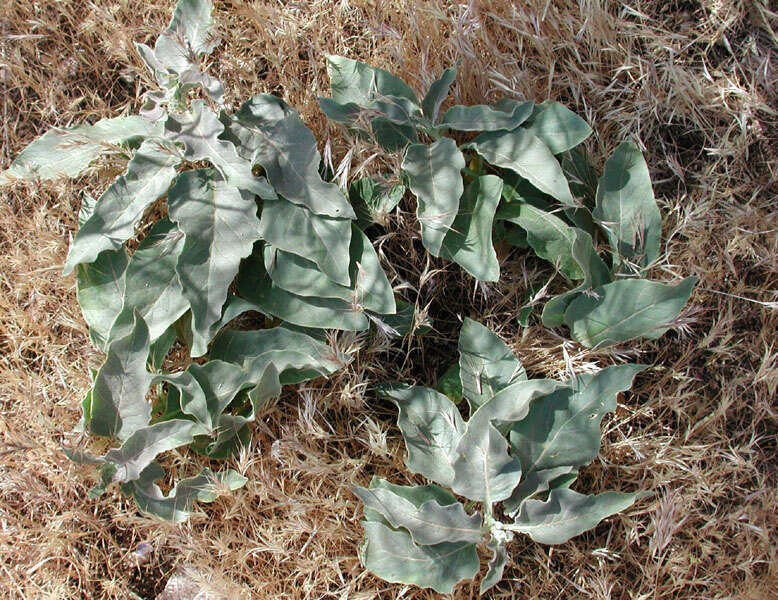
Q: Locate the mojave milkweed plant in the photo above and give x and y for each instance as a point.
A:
(245, 205)
(250, 225)
(520, 181)
(520, 449)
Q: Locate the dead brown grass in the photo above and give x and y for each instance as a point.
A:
(694, 82)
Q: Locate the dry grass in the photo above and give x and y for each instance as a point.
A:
(694, 82)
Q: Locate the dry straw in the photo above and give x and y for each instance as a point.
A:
(694, 82)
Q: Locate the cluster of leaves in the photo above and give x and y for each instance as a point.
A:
(520, 449)
(522, 182)
(245, 204)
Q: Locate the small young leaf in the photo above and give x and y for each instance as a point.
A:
(192, 21)
(595, 274)
(486, 364)
(434, 177)
(626, 208)
(119, 406)
(429, 523)
(372, 201)
(112, 220)
(522, 152)
(431, 427)
(221, 226)
(484, 471)
(469, 241)
(567, 513)
(496, 566)
(176, 505)
(626, 309)
(438, 92)
(504, 115)
(557, 127)
(67, 152)
(450, 384)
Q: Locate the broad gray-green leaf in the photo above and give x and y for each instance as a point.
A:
(221, 227)
(535, 483)
(296, 356)
(469, 241)
(415, 494)
(626, 309)
(370, 289)
(595, 273)
(391, 555)
(354, 81)
(429, 523)
(567, 513)
(192, 21)
(66, 152)
(119, 406)
(557, 127)
(100, 292)
(580, 174)
(563, 428)
(198, 131)
(143, 446)
(496, 566)
(287, 151)
(176, 506)
(483, 469)
(220, 382)
(255, 285)
(522, 152)
(152, 286)
(393, 136)
(431, 426)
(550, 237)
(626, 208)
(323, 240)
(506, 115)
(438, 92)
(486, 364)
(511, 403)
(434, 177)
(112, 221)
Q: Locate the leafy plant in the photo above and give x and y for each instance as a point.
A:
(521, 448)
(521, 182)
(244, 202)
